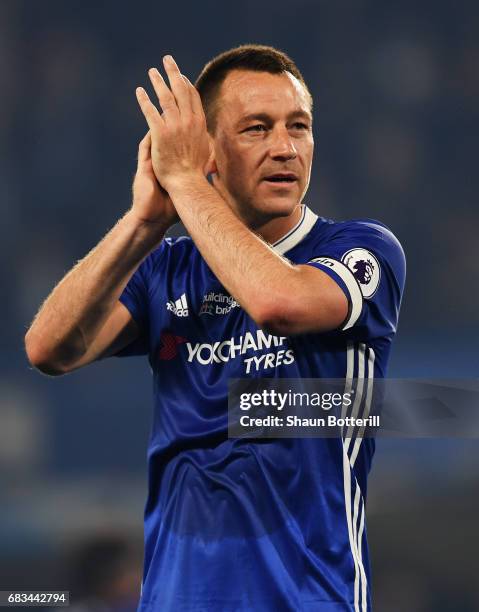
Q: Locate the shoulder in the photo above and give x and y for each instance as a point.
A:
(171, 252)
(372, 236)
(354, 229)
(366, 247)
(175, 245)
(357, 234)
(171, 248)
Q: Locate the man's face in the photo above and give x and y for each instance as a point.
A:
(263, 144)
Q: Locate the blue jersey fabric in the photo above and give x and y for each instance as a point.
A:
(266, 525)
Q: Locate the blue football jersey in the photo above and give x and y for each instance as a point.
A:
(258, 524)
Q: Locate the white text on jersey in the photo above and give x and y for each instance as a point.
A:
(179, 307)
(223, 351)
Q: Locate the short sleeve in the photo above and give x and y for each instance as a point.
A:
(135, 297)
(368, 263)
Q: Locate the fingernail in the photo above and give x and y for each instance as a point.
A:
(168, 58)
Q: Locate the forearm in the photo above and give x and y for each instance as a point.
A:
(76, 309)
(247, 266)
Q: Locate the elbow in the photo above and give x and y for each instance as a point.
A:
(41, 358)
(292, 315)
(276, 317)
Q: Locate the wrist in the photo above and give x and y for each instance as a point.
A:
(186, 181)
(150, 232)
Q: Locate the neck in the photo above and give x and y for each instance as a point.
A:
(275, 229)
(272, 229)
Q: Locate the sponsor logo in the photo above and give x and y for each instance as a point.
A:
(179, 307)
(169, 346)
(223, 351)
(365, 268)
(217, 304)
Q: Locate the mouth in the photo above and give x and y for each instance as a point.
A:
(281, 178)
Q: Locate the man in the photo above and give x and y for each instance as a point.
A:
(263, 288)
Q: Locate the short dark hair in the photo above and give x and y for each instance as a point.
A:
(258, 58)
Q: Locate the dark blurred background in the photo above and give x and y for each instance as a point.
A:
(396, 88)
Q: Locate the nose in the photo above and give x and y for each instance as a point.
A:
(282, 146)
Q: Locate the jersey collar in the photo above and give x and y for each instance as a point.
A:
(297, 233)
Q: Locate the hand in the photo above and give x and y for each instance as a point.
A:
(180, 144)
(151, 203)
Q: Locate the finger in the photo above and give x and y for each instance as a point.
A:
(178, 85)
(196, 104)
(144, 149)
(190, 98)
(165, 96)
(149, 110)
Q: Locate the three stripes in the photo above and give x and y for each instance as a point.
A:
(351, 441)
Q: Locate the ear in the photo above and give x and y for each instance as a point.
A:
(211, 167)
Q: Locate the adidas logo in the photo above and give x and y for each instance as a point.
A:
(179, 307)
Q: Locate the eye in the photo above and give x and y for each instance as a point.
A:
(258, 127)
(300, 126)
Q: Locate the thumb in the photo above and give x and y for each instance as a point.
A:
(144, 149)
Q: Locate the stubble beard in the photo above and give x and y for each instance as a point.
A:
(253, 213)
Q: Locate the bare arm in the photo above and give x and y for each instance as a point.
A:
(82, 319)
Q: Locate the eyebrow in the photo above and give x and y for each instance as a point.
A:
(297, 114)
